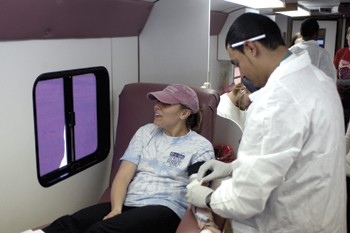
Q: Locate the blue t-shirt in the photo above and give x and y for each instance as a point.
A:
(162, 163)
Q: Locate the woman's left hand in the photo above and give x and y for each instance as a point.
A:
(111, 215)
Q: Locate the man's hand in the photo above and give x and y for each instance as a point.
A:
(197, 194)
(216, 169)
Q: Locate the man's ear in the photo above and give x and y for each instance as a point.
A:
(250, 47)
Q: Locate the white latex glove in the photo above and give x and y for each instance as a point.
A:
(216, 169)
(197, 194)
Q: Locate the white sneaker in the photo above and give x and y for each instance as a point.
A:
(206, 231)
(31, 231)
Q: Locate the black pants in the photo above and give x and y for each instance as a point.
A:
(348, 203)
(152, 219)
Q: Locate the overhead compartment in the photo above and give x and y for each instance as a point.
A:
(42, 19)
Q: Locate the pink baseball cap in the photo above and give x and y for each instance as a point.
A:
(177, 94)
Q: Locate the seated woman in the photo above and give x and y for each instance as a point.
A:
(149, 189)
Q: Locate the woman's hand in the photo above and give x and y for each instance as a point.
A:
(111, 214)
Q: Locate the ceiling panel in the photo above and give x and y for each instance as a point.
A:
(313, 5)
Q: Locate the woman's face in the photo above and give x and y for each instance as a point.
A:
(241, 99)
(170, 117)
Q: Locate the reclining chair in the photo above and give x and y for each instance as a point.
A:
(136, 110)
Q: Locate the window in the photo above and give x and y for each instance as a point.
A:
(321, 37)
(72, 122)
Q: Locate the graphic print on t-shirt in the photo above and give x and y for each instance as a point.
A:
(175, 159)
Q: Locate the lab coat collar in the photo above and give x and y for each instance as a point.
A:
(308, 42)
(290, 65)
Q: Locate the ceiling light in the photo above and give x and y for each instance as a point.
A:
(292, 10)
(259, 4)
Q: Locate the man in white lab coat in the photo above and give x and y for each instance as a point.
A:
(289, 176)
(318, 55)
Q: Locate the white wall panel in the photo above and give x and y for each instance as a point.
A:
(215, 79)
(24, 203)
(174, 43)
(125, 68)
(222, 53)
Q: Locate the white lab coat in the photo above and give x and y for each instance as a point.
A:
(319, 56)
(290, 173)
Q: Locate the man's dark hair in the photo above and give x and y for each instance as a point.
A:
(309, 28)
(250, 25)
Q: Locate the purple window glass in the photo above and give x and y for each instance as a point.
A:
(50, 124)
(51, 120)
(84, 101)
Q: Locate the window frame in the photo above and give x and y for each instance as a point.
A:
(102, 123)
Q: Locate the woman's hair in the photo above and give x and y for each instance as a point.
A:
(194, 121)
(295, 37)
(348, 31)
(237, 88)
(250, 25)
